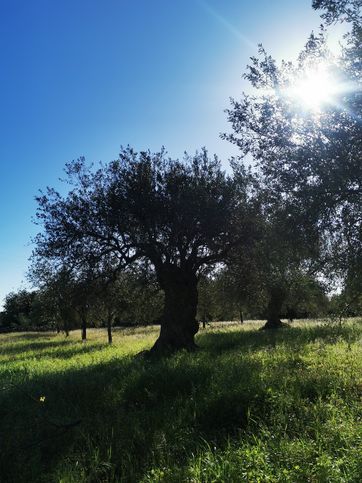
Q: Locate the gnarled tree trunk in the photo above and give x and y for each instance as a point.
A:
(274, 309)
(178, 323)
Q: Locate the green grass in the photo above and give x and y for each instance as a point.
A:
(249, 406)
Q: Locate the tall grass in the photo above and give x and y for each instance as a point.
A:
(249, 406)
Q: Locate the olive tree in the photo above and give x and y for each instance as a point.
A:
(309, 157)
(177, 216)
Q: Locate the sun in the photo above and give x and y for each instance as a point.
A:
(314, 88)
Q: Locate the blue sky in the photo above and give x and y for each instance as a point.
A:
(82, 77)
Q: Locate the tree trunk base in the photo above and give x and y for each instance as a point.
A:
(163, 349)
(178, 322)
(274, 324)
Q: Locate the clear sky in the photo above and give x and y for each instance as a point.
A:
(82, 77)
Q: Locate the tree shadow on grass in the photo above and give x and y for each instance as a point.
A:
(31, 335)
(293, 337)
(60, 352)
(114, 421)
(20, 348)
(140, 409)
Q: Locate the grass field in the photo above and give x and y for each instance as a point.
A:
(249, 406)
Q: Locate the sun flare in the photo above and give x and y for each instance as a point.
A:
(315, 88)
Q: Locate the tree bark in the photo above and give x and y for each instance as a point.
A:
(274, 309)
(109, 329)
(241, 316)
(66, 327)
(178, 322)
(84, 329)
(64, 317)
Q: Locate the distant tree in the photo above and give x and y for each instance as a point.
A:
(111, 299)
(306, 298)
(83, 293)
(146, 208)
(130, 297)
(267, 272)
(348, 303)
(17, 309)
(56, 290)
(231, 291)
(145, 300)
(2, 320)
(41, 315)
(207, 307)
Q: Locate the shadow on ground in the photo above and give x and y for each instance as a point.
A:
(294, 337)
(59, 351)
(113, 421)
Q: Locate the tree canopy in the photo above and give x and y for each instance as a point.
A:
(145, 208)
(310, 157)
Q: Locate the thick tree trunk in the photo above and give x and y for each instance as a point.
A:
(277, 297)
(178, 322)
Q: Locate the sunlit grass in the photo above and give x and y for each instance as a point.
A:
(249, 406)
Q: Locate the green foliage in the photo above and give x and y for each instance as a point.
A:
(309, 159)
(306, 298)
(249, 406)
(145, 207)
(18, 309)
(339, 10)
(228, 293)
